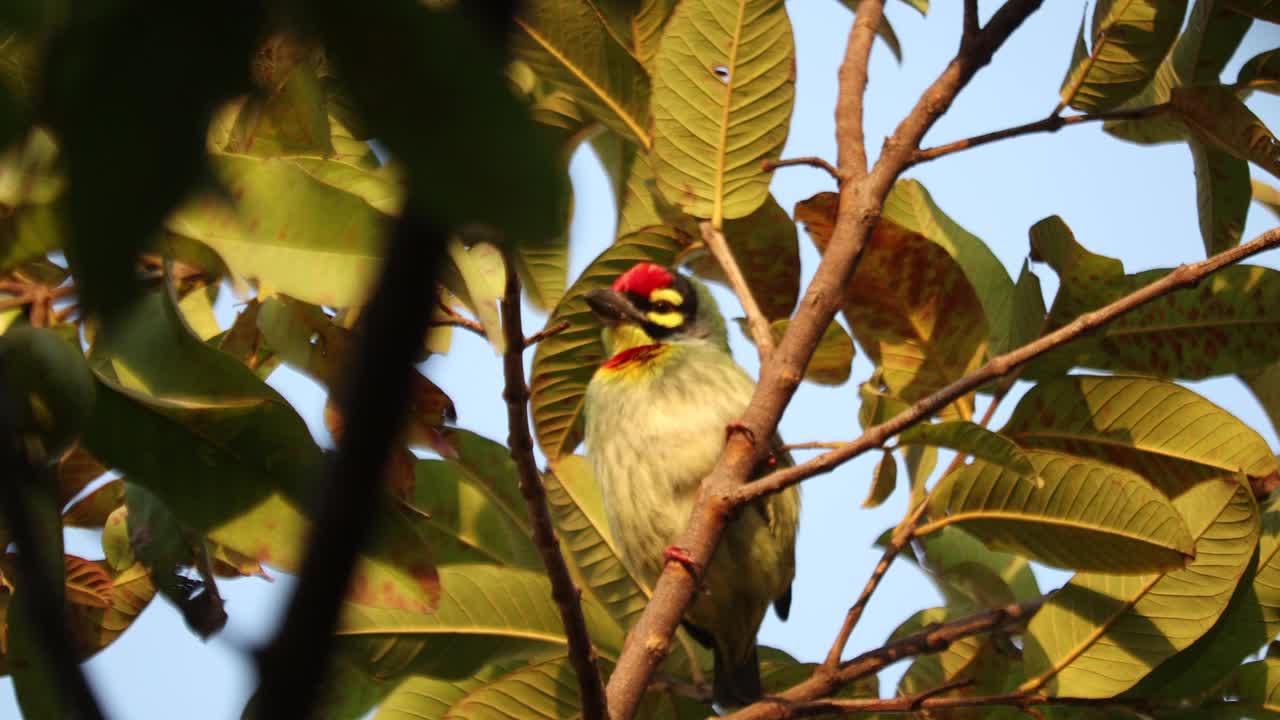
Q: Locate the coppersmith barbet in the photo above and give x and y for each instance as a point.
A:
(656, 417)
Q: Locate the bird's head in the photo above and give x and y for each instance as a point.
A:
(651, 304)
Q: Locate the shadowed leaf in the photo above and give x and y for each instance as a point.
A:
(971, 439)
(1101, 634)
(766, 248)
(1217, 116)
(1222, 196)
(832, 358)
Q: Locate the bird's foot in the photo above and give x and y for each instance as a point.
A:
(737, 427)
(675, 553)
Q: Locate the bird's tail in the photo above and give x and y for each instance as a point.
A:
(736, 683)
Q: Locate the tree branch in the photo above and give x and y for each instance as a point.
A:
(932, 639)
(567, 596)
(44, 605)
(859, 208)
(851, 140)
(759, 324)
(375, 404)
(546, 332)
(1183, 276)
(810, 160)
(970, 28)
(1050, 124)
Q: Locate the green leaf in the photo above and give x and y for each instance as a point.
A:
(1256, 687)
(568, 44)
(950, 558)
(975, 658)
(1262, 72)
(883, 481)
(971, 439)
(1100, 634)
(1218, 117)
(424, 697)
(1223, 326)
(175, 402)
(1265, 386)
(1073, 513)
(484, 277)
(544, 689)
(290, 230)
(486, 613)
(1166, 433)
(724, 85)
(767, 250)
(1267, 10)
(289, 114)
(1026, 315)
(1129, 39)
(1251, 620)
(832, 359)
(564, 363)
(1222, 196)
(640, 205)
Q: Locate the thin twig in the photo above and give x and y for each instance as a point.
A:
(375, 403)
(812, 446)
(902, 535)
(810, 160)
(1050, 124)
(1183, 276)
(546, 332)
(453, 319)
(932, 639)
(582, 655)
(859, 208)
(718, 246)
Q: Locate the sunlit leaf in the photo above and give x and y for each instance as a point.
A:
(971, 439)
(724, 85)
(883, 482)
(1164, 432)
(1072, 513)
(564, 363)
(1266, 195)
(1129, 39)
(567, 43)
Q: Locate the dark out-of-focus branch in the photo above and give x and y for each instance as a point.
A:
(44, 603)
(375, 404)
(582, 655)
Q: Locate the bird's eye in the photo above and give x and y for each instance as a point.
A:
(663, 306)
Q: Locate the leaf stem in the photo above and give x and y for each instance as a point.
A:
(810, 160)
(718, 246)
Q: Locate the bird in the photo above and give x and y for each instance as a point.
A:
(657, 414)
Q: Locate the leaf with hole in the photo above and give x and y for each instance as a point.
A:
(724, 86)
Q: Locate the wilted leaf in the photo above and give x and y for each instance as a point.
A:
(87, 583)
(564, 363)
(1072, 513)
(1101, 634)
(1166, 433)
(1129, 39)
(883, 481)
(724, 85)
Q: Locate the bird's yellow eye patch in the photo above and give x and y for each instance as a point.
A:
(666, 295)
(671, 319)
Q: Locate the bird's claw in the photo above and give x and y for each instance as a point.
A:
(737, 427)
(675, 553)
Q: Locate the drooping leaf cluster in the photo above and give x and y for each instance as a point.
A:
(260, 184)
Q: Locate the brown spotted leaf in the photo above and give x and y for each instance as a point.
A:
(1228, 324)
(919, 320)
(1162, 431)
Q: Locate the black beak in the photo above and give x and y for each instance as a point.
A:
(612, 307)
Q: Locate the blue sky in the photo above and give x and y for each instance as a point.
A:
(1135, 203)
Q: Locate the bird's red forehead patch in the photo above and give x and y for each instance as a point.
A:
(642, 279)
